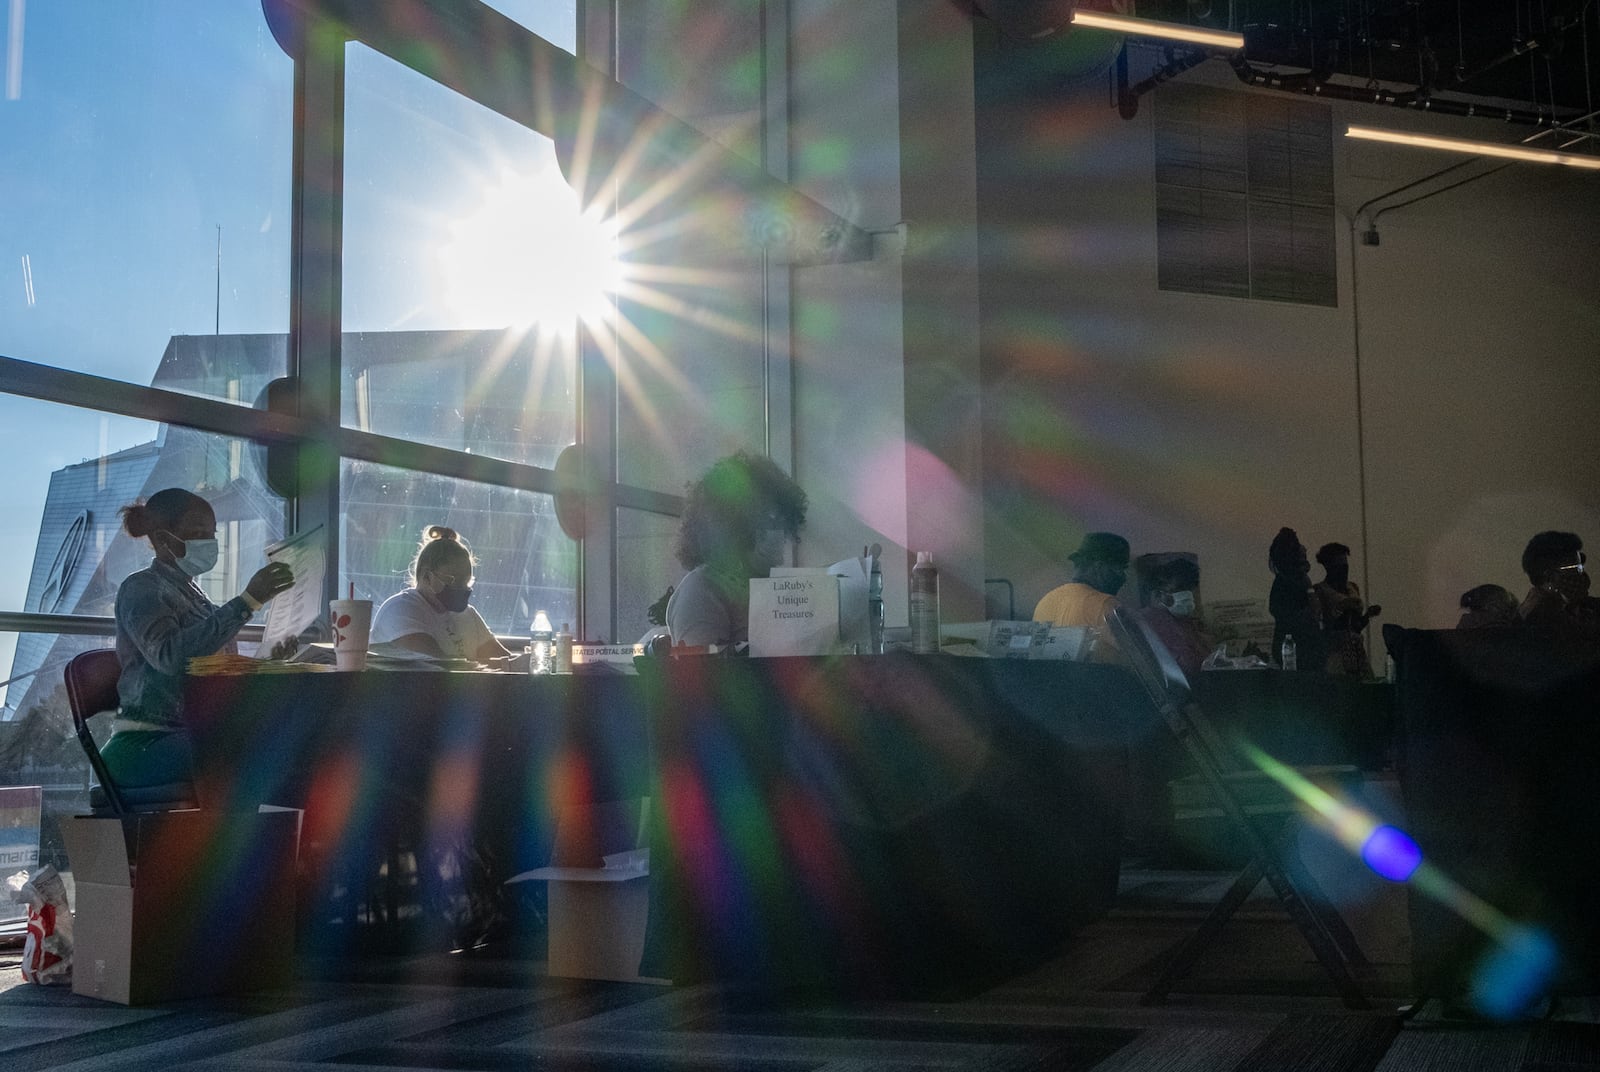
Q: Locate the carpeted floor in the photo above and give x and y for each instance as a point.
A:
(1256, 1003)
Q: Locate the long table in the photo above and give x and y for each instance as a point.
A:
(862, 823)
(1307, 717)
(1498, 759)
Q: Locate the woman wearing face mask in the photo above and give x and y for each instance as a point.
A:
(163, 621)
(433, 616)
(1173, 615)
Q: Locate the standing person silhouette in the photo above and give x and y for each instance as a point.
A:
(1343, 612)
(1293, 612)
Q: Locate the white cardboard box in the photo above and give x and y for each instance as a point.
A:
(182, 903)
(597, 916)
(599, 900)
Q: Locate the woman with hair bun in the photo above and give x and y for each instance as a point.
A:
(432, 616)
(163, 621)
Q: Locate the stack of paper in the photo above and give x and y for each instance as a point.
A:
(227, 663)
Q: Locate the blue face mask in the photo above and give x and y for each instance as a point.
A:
(199, 556)
(1182, 605)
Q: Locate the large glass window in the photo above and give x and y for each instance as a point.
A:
(465, 267)
(81, 468)
(524, 563)
(646, 569)
(146, 179)
(691, 339)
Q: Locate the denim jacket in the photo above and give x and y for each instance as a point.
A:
(164, 620)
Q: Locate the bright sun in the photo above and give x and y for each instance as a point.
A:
(526, 255)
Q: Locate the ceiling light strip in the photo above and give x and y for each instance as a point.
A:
(1171, 31)
(1476, 148)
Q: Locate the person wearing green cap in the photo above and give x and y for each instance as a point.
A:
(1100, 568)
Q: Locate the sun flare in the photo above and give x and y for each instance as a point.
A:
(526, 254)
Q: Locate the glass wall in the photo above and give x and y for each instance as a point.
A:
(146, 180)
(524, 563)
(461, 339)
(692, 336)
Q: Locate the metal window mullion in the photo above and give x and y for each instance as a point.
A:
(776, 339)
(598, 400)
(316, 277)
(86, 391)
(80, 625)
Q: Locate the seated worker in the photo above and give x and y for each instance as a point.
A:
(1100, 566)
(1488, 606)
(1293, 612)
(736, 520)
(1344, 615)
(163, 621)
(432, 616)
(1173, 616)
(1559, 599)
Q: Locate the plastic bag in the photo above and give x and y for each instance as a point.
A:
(47, 951)
(1219, 660)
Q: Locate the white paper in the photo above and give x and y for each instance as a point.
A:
(291, 613)
(794, 612)
(855, 632)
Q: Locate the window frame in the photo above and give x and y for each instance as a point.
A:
(315, 33)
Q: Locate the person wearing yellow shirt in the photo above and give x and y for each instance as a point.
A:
(1100, 568)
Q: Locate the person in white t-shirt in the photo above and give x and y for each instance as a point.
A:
(433, 616)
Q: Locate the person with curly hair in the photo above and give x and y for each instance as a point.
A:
(736, 521)
(432, 615)
(1559, 599)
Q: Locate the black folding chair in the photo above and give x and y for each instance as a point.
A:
(1268, 832)
(91, 681)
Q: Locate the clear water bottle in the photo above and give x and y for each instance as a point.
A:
(540, 643)
(1290, 662)
(925, 605)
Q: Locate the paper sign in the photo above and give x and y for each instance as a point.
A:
(621, 655)
(794, 614)
(1065, 642)
(1016, 640)
(853, 573)
(290, 613)
(20, 808)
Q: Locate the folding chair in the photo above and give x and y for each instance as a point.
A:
(1268, 833)
(91, 680)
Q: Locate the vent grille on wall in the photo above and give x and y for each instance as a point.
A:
(1244, 196)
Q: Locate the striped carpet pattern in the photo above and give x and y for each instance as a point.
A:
(1255, 1004)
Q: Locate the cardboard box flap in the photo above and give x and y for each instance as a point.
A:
(98, 850)
(579, 874)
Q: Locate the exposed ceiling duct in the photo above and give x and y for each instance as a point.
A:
(1534, 62)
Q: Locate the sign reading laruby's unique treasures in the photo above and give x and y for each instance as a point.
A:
(794, 615)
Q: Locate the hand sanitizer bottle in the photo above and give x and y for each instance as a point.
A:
(1288, 653)
(925, 605)
(563, 651)
(875, 605)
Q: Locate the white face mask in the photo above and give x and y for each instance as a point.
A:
(1181, 604)
(199, 556)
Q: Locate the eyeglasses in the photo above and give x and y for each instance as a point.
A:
(1578, 565)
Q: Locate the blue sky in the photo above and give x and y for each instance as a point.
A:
(139, 128)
